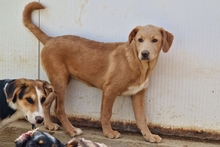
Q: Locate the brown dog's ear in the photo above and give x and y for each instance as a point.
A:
(13, 87)
(167, 40)
(133, 34)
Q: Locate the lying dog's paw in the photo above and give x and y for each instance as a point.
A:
(74, 131)
(112, 134)
(84, 143)
(52, 126)
(152, 138)
(23, 138)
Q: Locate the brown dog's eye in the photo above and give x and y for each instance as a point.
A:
(42, 100)
(29, 100)
(140, 40)
(154, 40)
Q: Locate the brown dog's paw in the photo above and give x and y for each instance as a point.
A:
(74, 131)
(52, 126)
(112, 134)
(152, 138)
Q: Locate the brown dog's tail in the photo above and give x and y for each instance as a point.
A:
(29, 24)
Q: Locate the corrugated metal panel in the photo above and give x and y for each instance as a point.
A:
(184, 88)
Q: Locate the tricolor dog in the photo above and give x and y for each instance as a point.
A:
(23, 98)
(121, 68)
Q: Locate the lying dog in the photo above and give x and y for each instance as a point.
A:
(116, 68)
(23, 98)
(42, 139)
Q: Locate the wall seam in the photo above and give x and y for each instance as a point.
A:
(38, 47)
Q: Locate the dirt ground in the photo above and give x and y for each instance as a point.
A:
(12, 131)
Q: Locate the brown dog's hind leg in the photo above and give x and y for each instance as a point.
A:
(59, 78)
(60, 88)
(138, 106)
(108, 98)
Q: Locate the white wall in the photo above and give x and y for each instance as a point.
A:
(184, 88)
(18, 51)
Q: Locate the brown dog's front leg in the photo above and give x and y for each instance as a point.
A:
(138, 106)
(108, 99)
(46, 107)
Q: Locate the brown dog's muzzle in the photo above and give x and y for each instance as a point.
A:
(145, 55)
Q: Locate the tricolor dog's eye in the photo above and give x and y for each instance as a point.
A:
(42, 100)
(140, 40)
(29, 100)
(154, 40)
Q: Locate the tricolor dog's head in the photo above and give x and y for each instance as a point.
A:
(28, 96)
(149, 40)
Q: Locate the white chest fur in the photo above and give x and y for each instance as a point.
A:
(135, 89)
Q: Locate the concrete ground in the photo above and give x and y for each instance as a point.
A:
(9, 133)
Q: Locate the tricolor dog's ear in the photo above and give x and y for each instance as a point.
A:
(49, 92)
(167, 40)
(13, 87)
(133, 34)
(48, 87)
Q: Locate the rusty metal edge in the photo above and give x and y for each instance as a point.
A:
(131, 127)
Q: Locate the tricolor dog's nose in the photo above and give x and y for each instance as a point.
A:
(145, 53)
(39, 119)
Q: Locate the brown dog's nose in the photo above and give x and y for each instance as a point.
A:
(39, 119)
(145, 53)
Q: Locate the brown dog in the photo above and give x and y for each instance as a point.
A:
(116, 68)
